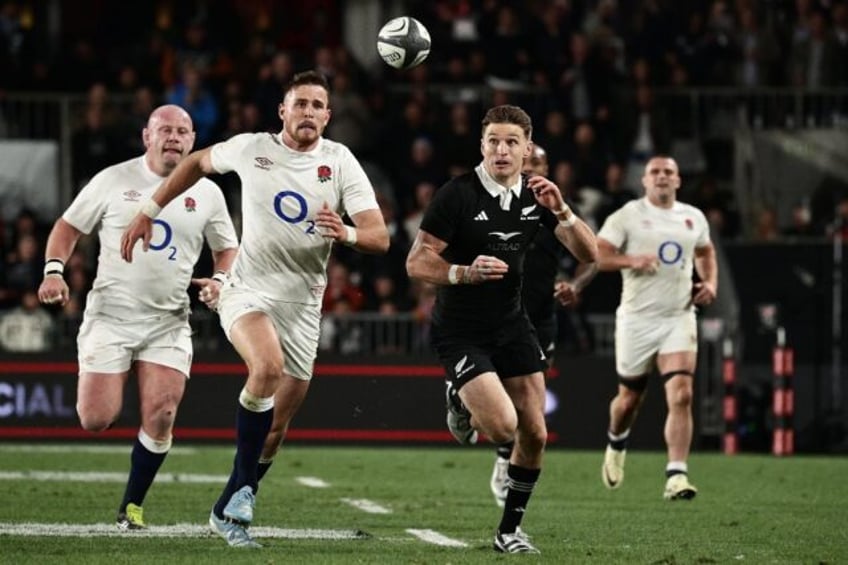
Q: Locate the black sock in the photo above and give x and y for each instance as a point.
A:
(521, 483)
(261, 470)
(619, 444)
(671, 472)
(251, 430)
(144, 464)
(505, 450)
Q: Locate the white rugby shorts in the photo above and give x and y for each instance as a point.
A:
(298, 325)
(639, 339)
(106, 344)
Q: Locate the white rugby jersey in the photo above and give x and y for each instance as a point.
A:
(671, 234)
(156, 281)
(282, 255)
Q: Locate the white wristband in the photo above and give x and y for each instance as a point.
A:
(151, 209)
(54, 267)
(350, 236)
(220, 276)
(572, 217)
(452, 274)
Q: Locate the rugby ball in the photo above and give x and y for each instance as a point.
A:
(403, 42)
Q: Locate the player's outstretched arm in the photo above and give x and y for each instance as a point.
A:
(189, 171)
(610, 258)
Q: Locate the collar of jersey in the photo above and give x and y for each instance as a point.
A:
(289, 149)
(148, 172)
(492, 186)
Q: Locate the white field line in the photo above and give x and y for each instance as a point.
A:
(366, 505)
(313, 482)
(431, 536)
(173, 531)
(96, 477)
(120, 449)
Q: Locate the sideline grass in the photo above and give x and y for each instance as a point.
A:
(750, 509)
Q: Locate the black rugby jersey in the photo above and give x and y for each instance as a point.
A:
(470, 220)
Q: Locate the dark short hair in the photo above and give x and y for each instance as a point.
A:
(307, 77)
(508, 114)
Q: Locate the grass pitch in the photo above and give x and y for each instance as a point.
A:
(423, 505)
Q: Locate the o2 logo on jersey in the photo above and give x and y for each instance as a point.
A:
(166, 241)
(670, 252)
(291, 207)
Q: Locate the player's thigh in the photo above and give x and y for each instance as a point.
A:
(299, 328)
(637, 342)
(100, 395)
(160, 390)
(105, 348)
(255, 339)
(488, 402)
(527, 393)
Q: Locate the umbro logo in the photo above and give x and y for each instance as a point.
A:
(481, 217)
(263, 163)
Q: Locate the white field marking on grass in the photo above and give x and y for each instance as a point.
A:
(434, 537)
(172, 531)
(97, 477)
(120, 449)
(313, 482)
(366, 505)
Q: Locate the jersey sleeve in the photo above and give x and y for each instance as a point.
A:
(357, 193)
(704, 234)
(219, 230)
(226, 155)
(440, 218)
(89, 206)
(613, 229)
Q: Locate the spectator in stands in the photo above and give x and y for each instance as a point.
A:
(273, 78)
(27, 328)
(94, 146)
(351, 115)
(457, 141)
(23, 270)
(812, 60)
(766, 227)
(800, 222)
(615, 193)
(423, 194)
(719, 206)
(758, 49)
(840, 43)
(193, 94)
(505, 44)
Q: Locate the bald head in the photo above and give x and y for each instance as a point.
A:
(537, 162)
(168, 138)
(169, 113)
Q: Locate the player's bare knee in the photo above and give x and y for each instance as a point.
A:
(534, 441)
(267, 371)
(681, 397)
(94, 422)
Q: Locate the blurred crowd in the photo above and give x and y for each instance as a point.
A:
(587, 72)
